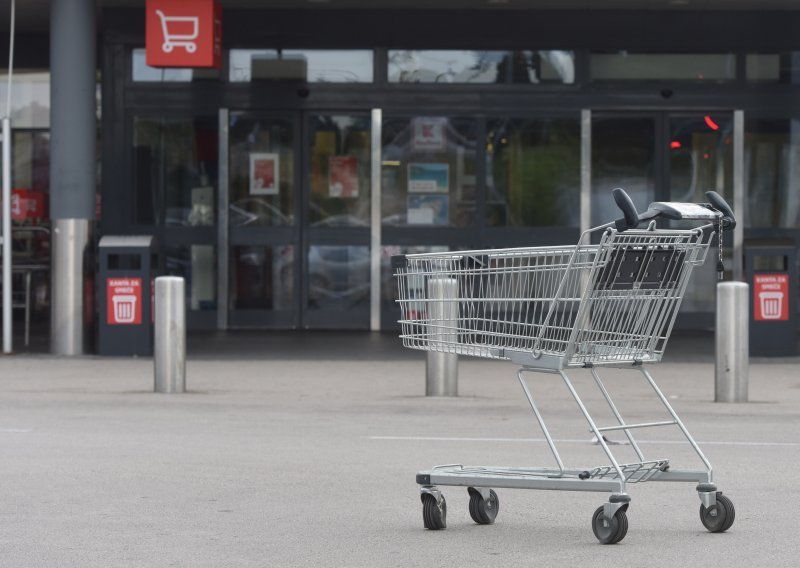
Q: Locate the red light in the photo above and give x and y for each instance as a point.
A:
(674, 144)
(706, 156)
(711, 124)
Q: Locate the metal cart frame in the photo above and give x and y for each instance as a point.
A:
(548, 309)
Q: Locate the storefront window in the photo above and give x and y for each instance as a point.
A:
(772, 173)
(773, 67)
(175, 171)
(533, 174)
(143, 73)
(629, 66)
(30, 100)
(459, 66)
(313, 66)
(340, 171)
(428, 173)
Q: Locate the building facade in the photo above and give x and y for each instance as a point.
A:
(332, 138)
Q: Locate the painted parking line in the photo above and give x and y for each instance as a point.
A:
(571, 441)
(14, 431)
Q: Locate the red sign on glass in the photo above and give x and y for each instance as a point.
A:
(124, 301)
(184, 33)
(771, 297)
(27, 204)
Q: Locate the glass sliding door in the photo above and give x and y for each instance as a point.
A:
(264, 233)
(336, 221)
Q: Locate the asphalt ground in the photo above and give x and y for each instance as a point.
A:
(309, 459)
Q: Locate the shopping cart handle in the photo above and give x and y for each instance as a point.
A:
(718, 203)
(630, 219)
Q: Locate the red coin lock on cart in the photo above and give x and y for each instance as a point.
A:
(184, 33)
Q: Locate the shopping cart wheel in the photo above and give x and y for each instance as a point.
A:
(719, 517)
(610, 532)
(434, 514)
(483, 511)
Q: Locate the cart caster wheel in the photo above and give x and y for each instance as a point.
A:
(483, 511)
(434, 514)
(719, 517)
(610, 532)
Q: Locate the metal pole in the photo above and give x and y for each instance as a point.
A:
(586, 170)
(375, 222)
(732, 342)
(738, 194)
(441, 372)
(223, 220)
(7, 288)
(170, 335)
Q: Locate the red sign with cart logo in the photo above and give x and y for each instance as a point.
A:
(124, 301)
(184, 33)
(771, 297)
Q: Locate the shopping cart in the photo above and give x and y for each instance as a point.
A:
(549, 309)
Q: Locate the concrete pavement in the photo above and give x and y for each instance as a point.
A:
(309, 460)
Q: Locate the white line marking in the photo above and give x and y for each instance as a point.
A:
(14, 431)
(570, 441)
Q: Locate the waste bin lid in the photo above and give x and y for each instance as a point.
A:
(126, 241)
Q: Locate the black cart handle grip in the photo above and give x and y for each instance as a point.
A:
(630, 219)
(718, 203)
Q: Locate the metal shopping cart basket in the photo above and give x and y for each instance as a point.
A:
(550, 309)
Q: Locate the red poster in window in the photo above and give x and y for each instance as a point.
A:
(771, 297)
(184, 33)
(124, 301)
(343, 176)
(27, 204)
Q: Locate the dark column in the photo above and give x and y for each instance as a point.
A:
(72, 164)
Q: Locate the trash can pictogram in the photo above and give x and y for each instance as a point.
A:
(771, 304)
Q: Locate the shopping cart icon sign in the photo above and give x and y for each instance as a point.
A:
(172, 25)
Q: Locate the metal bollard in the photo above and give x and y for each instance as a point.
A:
(441, 369)
(732, 364)
(170, 335)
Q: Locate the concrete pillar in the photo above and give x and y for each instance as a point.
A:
(73, 132)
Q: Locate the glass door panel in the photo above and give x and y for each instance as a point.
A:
(700, 149)
(623, 155)
(336, 278)
(262, 217)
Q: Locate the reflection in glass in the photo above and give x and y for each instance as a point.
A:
(461, 66)
(428, 174)
(623, 155)
(773, 67)
(700, 156)
(31, 160)
(262, 278)
(197, 264)
(30, 99)
(700, 159)
(175, 163)
(311, 65)
(772, 173)
(627, 66)
(340, 171)
(261, 171)
(143, 73)
(533, 175)
(338, 277)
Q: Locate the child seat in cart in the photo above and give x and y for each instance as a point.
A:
(551, 309)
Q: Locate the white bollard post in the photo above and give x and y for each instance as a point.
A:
(441, 369)
(170, 335)
(732, 364)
